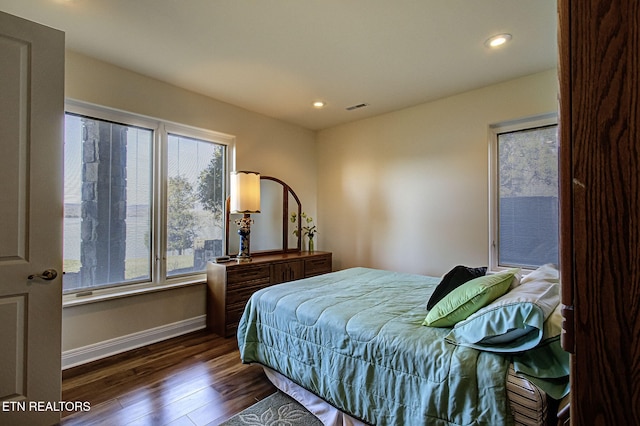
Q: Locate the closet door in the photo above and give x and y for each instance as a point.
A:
(31, 132)
(600, 204)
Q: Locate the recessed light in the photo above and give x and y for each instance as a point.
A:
(497, 40)
(319, 104)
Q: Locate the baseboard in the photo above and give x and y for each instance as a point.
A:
(85, 354)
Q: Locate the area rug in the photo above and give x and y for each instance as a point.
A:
(275, 410)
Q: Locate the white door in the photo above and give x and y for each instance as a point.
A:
(31, 215)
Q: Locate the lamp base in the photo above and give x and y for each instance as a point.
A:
(244, 229)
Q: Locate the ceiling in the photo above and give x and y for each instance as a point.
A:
(276, 57)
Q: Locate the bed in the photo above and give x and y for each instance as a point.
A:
(357, 340)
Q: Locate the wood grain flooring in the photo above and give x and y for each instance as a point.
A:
(191, 380)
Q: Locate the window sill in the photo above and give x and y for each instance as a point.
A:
(70, 300)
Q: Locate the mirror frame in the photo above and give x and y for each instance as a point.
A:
(286, 192)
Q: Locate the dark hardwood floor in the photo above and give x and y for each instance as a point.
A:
(193, 380)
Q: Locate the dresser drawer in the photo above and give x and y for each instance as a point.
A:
(287, 271)
(234, 313)
(317, 266)
(255, 274)
(232, 319)
(241, 293)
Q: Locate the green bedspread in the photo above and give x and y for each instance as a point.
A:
(354, 337)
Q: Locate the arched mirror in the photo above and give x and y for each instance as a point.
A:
(272, 230)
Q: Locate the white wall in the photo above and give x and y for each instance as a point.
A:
(263, 144)
(408, 190)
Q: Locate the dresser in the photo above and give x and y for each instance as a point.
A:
(230, 284)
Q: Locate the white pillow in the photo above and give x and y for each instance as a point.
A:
(513, 322)
(547, 272)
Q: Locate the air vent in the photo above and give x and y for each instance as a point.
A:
(351, 108)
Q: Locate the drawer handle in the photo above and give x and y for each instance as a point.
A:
(251, 274)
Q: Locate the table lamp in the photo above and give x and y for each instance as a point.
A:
(245, 199)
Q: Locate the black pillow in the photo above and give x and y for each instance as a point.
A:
(452, 280)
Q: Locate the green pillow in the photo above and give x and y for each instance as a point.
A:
(468, 298)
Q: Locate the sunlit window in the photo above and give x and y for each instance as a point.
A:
(195, 203)
(525, 228)
(123, 180)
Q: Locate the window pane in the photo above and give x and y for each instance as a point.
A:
(195, 203)
(528, 197)
(107, 203)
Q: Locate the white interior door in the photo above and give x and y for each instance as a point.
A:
(31, 212)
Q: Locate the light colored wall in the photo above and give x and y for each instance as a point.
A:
(263, 144)
(408, 190)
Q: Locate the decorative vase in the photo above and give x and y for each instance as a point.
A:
(310, 243)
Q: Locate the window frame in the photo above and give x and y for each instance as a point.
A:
(159, 175)
(527, 123)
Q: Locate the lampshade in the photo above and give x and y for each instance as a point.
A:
(245, 192)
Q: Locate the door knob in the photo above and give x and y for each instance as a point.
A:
(48, 274)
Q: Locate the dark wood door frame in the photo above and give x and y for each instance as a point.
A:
(599, 45)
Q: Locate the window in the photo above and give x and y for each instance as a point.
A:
(524, 188)
(107, 203)
(195, 203)
(144, 200)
